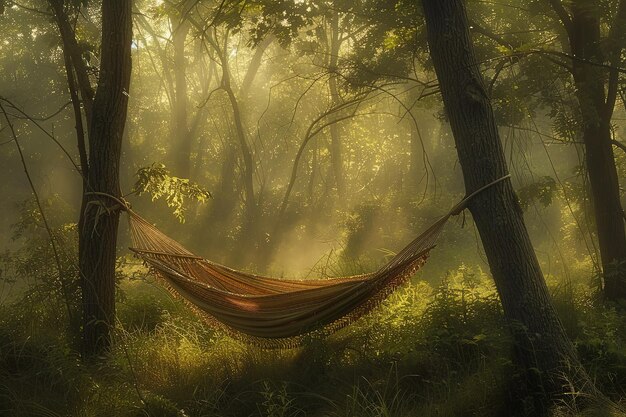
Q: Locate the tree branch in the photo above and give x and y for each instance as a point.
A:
(619, 145)
(45, 132)
(78, 116)
(68, 38)
(563, 15)
(615, 41)
(55, 251)
(483, 30)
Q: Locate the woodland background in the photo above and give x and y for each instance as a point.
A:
(303, 138)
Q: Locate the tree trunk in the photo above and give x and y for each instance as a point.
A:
(253, 67)
(246, 153)
(252, 210)
(71, 50)
(596, 114)
(335, 138)
(543, 348)
(181, 137)
(221, 211)
(416, 163)
(223, 204)
(98, 232)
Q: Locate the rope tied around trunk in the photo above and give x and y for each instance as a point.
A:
(124, 205)
(462, 205)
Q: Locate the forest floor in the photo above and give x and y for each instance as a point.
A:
(427, 351)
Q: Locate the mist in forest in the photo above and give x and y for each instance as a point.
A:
(375, 157)
(307, 139)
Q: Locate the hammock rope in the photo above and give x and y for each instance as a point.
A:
(276, 312)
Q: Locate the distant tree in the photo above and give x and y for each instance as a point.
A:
(217, 40)
(104, 109)
(185, 74)
(542, 346)
(566, 52)
(595, 62)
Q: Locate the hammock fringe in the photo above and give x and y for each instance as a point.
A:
(277, 313)
(268, 312)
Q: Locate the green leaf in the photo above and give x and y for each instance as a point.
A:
(157, 181)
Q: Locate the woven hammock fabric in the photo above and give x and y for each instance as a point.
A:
(269, 311)
(277, 312)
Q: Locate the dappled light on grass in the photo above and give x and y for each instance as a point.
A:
(428, 351)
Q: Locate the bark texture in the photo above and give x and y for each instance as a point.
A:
(541, 342)
(596, 110)
(98, 232)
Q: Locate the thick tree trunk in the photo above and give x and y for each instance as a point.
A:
(541, 342)
(98, 232)
(600, 162)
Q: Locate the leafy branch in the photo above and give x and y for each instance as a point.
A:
(157, 181)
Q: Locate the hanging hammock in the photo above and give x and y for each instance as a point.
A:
(270, 311)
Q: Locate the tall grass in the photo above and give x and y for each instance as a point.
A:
(427, 351)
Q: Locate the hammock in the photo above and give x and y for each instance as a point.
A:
(270, 311)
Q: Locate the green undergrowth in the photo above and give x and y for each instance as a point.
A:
(427, 351)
